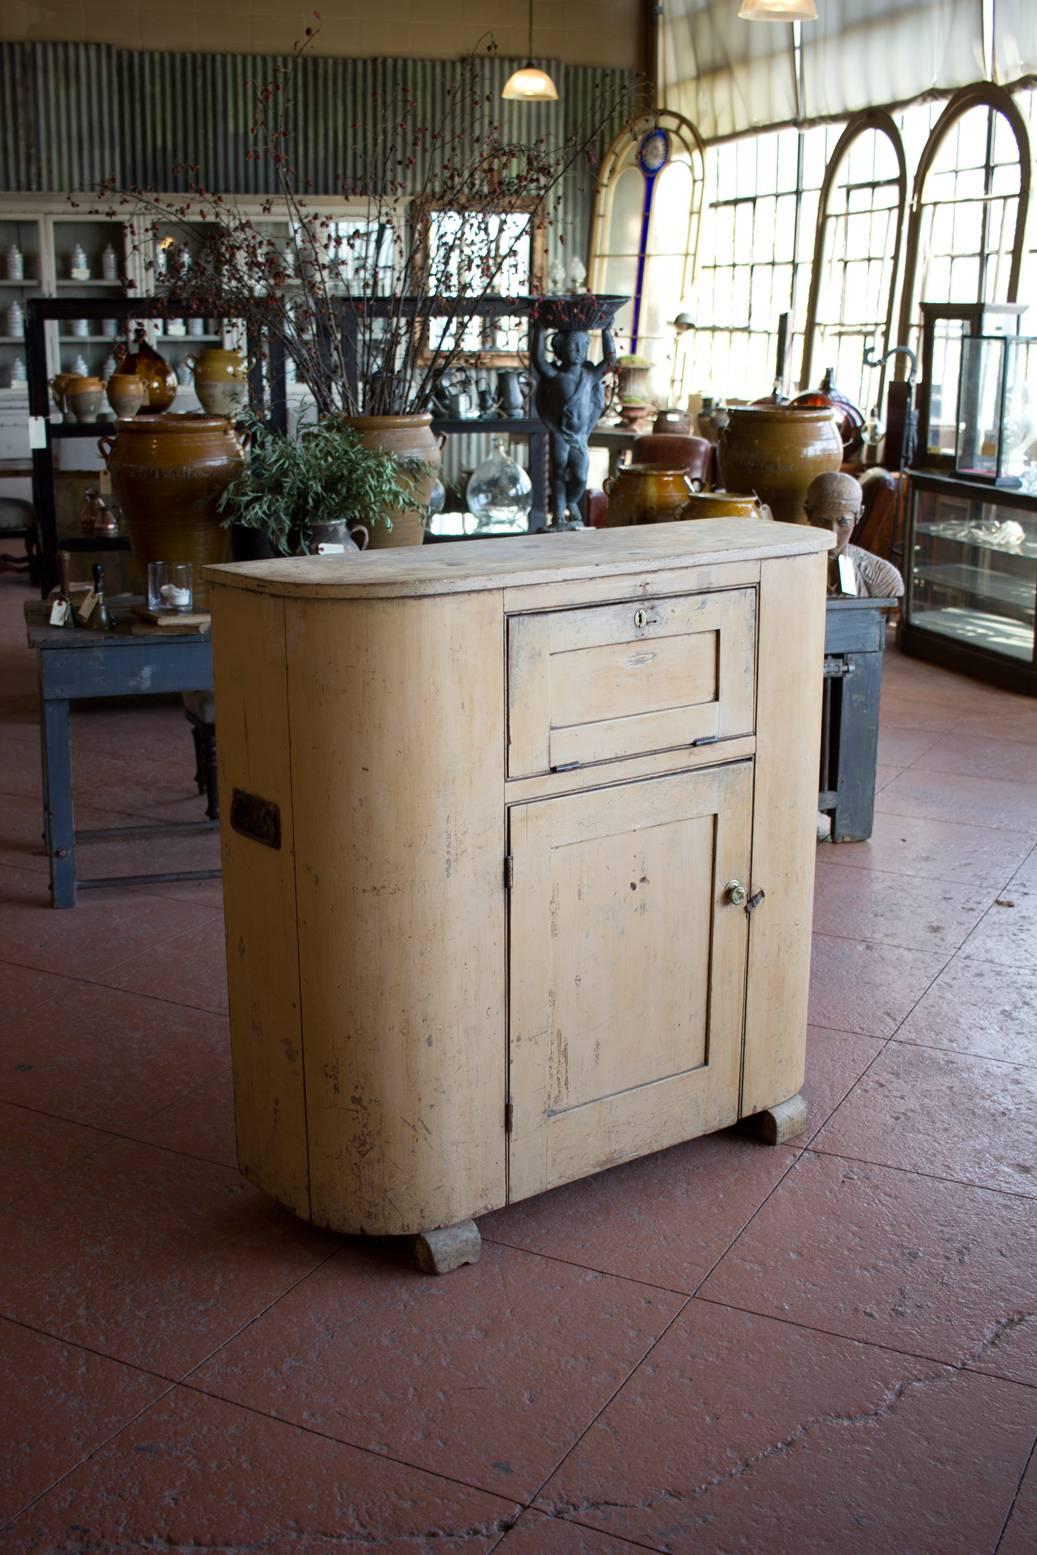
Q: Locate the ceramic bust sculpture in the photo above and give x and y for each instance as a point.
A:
(570, 399)
(836, 502)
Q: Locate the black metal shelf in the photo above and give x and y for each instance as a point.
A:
(268, 389)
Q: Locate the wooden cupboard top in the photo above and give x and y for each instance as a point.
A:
(465, 566)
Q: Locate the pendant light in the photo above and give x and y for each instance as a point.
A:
(529, 84)
(778, 11)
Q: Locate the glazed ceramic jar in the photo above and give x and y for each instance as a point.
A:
(776, 451)
(58, 386)
(406, 437)
(84, 397)
(158, 377)
(647, 494)
(168, 475)
(724, 504)
(126, 393)
(220, 381)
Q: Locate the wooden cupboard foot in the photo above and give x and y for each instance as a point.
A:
(437, 1252)
(785, 1120)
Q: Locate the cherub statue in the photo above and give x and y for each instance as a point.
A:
(836, 502)
(570, 399)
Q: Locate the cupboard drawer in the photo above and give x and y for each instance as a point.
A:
(623, 680)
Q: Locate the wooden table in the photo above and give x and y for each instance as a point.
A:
(76, 664)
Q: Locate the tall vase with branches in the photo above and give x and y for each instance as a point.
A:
(445, 207)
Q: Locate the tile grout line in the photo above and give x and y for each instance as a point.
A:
(174, 1383)
(129, 993)
(1032, 1459)
(966, 1367)
(662, 1334)
(914, 1171)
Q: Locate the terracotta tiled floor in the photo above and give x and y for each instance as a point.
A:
(828, 1348)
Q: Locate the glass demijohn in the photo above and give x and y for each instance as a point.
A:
(499, 493)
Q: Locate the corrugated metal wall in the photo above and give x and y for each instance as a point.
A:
(76, 113)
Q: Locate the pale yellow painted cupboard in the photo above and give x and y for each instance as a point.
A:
(518, 860)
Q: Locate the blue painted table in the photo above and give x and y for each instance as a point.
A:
(75, 664)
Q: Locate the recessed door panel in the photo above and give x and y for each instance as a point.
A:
(610, 681)
(627, 970)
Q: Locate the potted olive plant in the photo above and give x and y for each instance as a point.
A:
(324, 486)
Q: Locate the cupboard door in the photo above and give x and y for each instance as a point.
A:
(627, 970)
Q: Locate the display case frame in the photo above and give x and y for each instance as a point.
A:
(961, 559)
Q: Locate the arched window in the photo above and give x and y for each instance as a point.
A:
(645, 230)
(856, 257)
(968, 208)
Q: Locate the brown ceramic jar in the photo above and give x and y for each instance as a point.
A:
(724, 504)
(168, 475)
(158, 377)
(647, 494)
(776, 451)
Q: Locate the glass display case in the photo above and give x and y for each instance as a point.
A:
(997, 400)
(945, 326)
(972, 579)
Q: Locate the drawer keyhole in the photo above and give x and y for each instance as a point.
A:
(640, 619)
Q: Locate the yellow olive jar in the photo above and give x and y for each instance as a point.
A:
(647, 494)
(220, 381)
(724, 504)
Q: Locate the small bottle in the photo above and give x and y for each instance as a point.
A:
(99, 619)
(61, 611)
(14, 263)
(109, 264)
(79, 269)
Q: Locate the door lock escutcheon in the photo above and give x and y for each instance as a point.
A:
(640, 619)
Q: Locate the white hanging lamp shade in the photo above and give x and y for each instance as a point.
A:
(530, 85)
(778, 11)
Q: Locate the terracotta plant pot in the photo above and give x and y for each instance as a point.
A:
(158, 377)
(84, 397)
(168, 475)
(724, 504)
(406, 437)
(220, 381)
(647, 494)
(126, 393)
(776, 451)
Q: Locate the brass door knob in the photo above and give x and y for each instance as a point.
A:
(735, 893)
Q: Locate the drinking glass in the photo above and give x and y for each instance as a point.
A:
(169, 586)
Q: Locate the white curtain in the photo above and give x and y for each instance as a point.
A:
(1015, 40)
(866, 53)
(729, 76)
(723, 74)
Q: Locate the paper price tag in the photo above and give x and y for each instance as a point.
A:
(37, 431)
(329, 548)
(847, 576)
(87, 606)
(59, 612)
